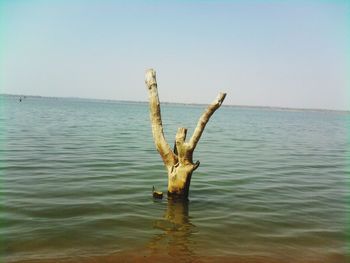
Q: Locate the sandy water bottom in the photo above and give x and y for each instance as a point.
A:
(139, 256)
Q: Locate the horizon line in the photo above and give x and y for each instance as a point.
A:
(180, 103)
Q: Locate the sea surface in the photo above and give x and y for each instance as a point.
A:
(76, 181)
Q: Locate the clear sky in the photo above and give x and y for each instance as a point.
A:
(266, 53)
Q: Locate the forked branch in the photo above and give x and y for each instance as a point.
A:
(179, 163)
(203, 120)
(169, 158)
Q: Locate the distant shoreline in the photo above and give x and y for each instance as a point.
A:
(177, 103)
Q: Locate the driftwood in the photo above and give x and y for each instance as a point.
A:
(179, 163)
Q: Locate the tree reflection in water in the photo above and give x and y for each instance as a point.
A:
(175, 239)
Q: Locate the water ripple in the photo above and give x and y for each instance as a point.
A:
(76, 180)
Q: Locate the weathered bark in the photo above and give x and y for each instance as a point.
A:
(179, 163)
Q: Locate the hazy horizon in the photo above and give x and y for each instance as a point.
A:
(290, 54)
(168, 102)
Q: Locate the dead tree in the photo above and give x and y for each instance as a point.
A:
(179, 163)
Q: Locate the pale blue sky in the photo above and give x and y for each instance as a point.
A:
(267, 53)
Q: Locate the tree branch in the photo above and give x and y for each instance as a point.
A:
(203, 120)
(180, 136)
(169, 158)
(179, 143)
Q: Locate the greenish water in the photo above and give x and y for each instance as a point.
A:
(76, 180)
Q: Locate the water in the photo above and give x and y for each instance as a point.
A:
(76, 180)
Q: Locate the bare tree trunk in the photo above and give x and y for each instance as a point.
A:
(179, 163)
